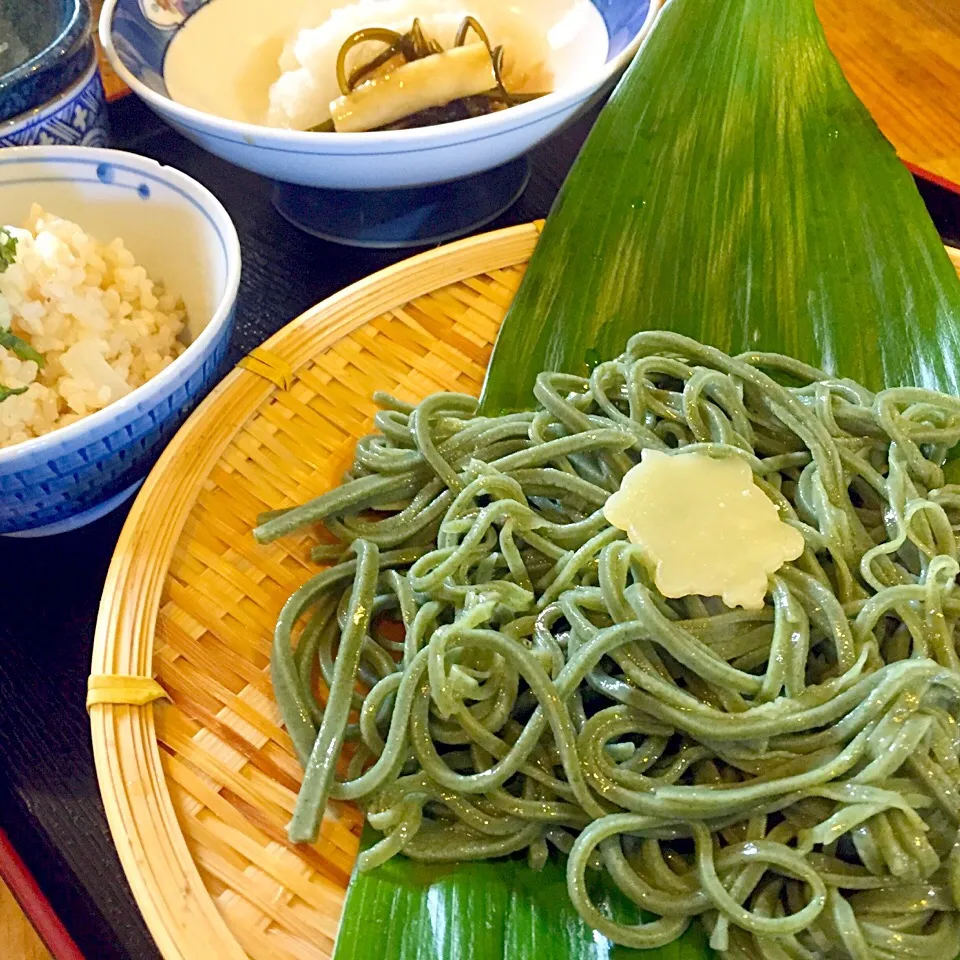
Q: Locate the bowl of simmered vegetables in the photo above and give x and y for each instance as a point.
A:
(376, 94)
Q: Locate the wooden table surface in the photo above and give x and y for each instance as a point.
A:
(19, 940)
(903, 59)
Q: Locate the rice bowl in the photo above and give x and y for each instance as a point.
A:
(181, 235)
(94, 323)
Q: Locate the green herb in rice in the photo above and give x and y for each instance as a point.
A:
(20, 348)
(8, 248)
(82, 324)
(6, 392)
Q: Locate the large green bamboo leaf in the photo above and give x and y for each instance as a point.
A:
(734, 190)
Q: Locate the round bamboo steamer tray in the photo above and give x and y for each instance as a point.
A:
(199, 788)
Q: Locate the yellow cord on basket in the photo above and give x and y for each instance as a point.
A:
(113, 688)
(266, 363)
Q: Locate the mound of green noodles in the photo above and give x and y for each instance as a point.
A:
(790, 775)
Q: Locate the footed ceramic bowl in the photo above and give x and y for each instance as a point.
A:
(137, 33)
(182, 235)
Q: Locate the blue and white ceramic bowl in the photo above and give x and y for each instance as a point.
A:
(75, 117)
(46, 46)
(136, 34)
(181, 234)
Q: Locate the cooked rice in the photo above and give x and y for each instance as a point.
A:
(103, 326)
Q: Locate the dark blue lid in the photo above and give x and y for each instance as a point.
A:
(44, 47)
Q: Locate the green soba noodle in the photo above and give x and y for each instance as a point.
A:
(789, 775)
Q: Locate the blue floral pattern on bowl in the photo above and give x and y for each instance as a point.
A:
(81, 474)
(142, 31)
(78, 117)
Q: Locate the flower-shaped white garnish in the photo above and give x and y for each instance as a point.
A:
(707, 527)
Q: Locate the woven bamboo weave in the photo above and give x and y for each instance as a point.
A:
(199, 788)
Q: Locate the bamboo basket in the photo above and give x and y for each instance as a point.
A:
(198, 788)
